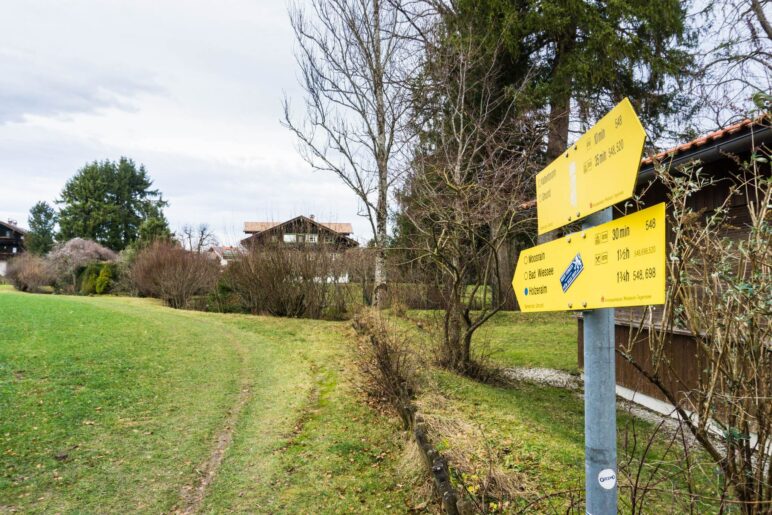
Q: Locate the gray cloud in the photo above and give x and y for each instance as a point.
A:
(31, 86)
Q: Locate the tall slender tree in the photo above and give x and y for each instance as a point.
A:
(42, 227)
(355, 58)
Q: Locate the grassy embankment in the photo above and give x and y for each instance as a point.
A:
(112, 404)
(529, 438)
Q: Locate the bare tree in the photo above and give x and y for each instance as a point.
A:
(734, 75)
(196, 239)
(719, 290)
(471, 179)
(355, 59)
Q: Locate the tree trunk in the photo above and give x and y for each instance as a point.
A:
(560, 106)
(382, 159)
(503, 294)
(557, 133)
(560, 98)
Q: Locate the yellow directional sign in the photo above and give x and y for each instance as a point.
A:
(595, 173)
(619, 263)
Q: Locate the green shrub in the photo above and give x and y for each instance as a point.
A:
(88, 278)
(105, 280)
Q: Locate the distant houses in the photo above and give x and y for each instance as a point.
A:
(224, 254)
(301, 230)
(11, 242)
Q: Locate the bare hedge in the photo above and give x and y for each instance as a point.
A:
(302, 281)
(173, 274)
(29, 273)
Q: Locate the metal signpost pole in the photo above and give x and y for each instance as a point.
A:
(600, 423)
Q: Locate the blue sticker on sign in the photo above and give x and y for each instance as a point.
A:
(572, 272)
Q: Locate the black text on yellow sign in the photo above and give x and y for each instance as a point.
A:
(616, 264)
(596, 172)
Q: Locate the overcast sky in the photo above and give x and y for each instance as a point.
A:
(192, 89)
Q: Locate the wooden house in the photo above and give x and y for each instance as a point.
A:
(11, 242)
(301, 230)
(719, 154)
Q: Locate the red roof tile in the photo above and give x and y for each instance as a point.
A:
(703, 140)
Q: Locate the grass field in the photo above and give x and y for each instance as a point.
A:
(517, 339)
(117, 405)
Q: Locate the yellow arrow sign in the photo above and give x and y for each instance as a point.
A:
(595, 173)
(619, 263)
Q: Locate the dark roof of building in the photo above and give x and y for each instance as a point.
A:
(13, 227)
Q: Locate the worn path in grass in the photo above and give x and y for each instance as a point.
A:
(123, 405)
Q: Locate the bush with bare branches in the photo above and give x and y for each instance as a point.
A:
(466, 198)
(719, 290)
(28, 272)
(298, 281)
(169, 272)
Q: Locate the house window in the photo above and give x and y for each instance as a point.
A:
(328, 239)
(312, 238)
(300, 238)
(289, 238)
(14, 250)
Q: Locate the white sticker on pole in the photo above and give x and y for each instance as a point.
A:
(607, 479)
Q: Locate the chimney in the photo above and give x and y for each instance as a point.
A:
(312, 217)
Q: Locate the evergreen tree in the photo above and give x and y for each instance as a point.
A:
(582, 57)
(107, 202)
(42, 222)
(153, 229)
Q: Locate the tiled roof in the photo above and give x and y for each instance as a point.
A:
(256, 227)
(703, 140)
(342, 228)
(259, 226)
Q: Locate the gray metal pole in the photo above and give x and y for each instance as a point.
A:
(600, 423)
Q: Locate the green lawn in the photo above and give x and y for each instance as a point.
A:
(532, 340)
(531, 437)
(112, 404)
(514, 339)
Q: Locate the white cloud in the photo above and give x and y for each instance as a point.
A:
(192, 89)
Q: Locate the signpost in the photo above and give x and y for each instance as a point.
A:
(598, 171)
(619, 263)
(609, 263)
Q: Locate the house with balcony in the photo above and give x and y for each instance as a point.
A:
(11, 242)
(302, 230)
